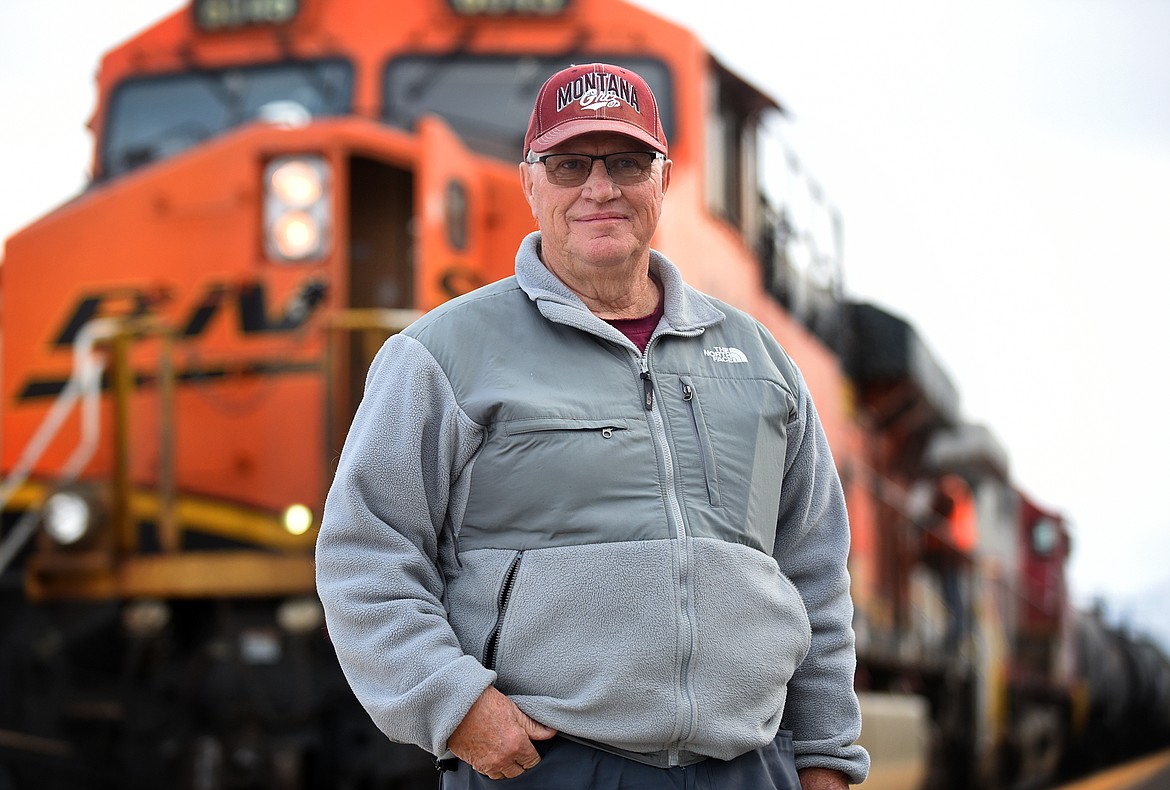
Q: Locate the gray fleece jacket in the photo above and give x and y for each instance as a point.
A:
(645, 551)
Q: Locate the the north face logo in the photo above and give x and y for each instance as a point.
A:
(721, 354)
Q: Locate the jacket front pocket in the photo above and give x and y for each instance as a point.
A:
(493, 640)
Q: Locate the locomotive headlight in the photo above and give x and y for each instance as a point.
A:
(296, 182)
(296, 236)
(297, 198)
(67, 517)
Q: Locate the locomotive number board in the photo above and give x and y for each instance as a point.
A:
(502, 7)
(229, 14)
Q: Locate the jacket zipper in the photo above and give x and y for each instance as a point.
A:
(489, 650)
(658, 430)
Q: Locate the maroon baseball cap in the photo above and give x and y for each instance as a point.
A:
(596, 97)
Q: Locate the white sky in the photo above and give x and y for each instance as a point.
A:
(1003, 171)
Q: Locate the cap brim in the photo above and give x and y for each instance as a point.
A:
(575, 128)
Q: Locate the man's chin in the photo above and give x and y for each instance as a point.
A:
(605, 251)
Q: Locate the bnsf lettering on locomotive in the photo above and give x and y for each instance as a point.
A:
(253, 318)
(124, 302)
(252, 308)
(458, 280)
(250, 298)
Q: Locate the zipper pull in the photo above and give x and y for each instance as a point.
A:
(688, 392)
(647, 391)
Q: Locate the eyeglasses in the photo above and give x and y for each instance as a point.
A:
(572, 170)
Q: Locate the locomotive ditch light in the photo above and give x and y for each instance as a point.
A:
(297, 199)
(297, 519)
(67, 517)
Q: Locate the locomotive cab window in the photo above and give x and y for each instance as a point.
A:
(487, 100)
(732, 167)
(756, 184)
(157, 117)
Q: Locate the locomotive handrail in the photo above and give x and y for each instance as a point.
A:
(122, 387)
(372, 325)
(84, 385)
(390, 319)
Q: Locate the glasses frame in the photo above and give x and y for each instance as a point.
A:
(656, 156)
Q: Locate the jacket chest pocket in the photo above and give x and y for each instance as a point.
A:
(547, 481)
(559, 425)
(732, 435)
(693, 407)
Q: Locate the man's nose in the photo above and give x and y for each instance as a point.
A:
(599, 184)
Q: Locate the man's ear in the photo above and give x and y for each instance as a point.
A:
(666, 175)
(526, 183)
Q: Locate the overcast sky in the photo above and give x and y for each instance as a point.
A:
(1003, 171)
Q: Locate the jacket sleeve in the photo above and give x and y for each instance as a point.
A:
(812, 548)
(378, 568)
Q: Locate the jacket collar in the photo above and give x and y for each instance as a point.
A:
(685, 310)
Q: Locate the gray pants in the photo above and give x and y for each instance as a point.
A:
(567, 765)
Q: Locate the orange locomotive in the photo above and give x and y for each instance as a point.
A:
(279, 185)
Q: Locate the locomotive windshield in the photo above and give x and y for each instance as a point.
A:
(156, 117)
(487, 99)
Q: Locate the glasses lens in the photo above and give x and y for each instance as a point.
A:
(572, 170)
(568, 170)
(629, 168)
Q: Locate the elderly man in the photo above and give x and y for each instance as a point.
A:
(586, 531)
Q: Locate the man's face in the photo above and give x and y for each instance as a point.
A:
(600, 223)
